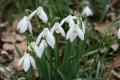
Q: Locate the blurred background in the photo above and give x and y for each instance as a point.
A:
(104, 12)
(60, 8)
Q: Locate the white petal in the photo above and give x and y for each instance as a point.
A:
(26, 63)
(71, 23)
(32, 14)
(23, 24)
(36, 49)
(32, 61)
(50, 38)
(39, 38)
(62, 31)
(42, 47)
(58, 29)
(21, 60)
(69, 33)
(118, 33)
(80, 33)
(56, 26)
(68, 19)
(73, 36)
(42, 15)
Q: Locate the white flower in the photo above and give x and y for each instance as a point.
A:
(44, 39)
(74, 32)
(118, 33)
(58, 29)
(69, 19)
(47, 36)
(42, 15)
(24, 24)
(87, 11)
(26, 61)
(37, 50)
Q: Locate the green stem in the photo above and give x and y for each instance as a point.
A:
(57, 57)
(51, 67)
(108, 28)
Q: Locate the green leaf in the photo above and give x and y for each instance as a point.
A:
(9, 73)
(98, 70)
(17, 50)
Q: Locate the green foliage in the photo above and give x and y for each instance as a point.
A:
(100, 8)
(58, 8)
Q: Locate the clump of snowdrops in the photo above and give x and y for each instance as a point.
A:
(55, 53)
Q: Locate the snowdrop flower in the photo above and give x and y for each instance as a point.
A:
(44, 39)
(42, 15)
(87, 11)
(26, 61)
(47, 36)
(24, 24)
(69, 19)
(118, 33)
(74, 32)
(58, 29)
(37, 50)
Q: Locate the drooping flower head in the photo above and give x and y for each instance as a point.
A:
(37, 50)
(26, 61)
(69, 19)
(24, 24)
(74, 32)
(44, 39)
(47, 36)
(42, 15)
(87, 11)
(58, 29)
